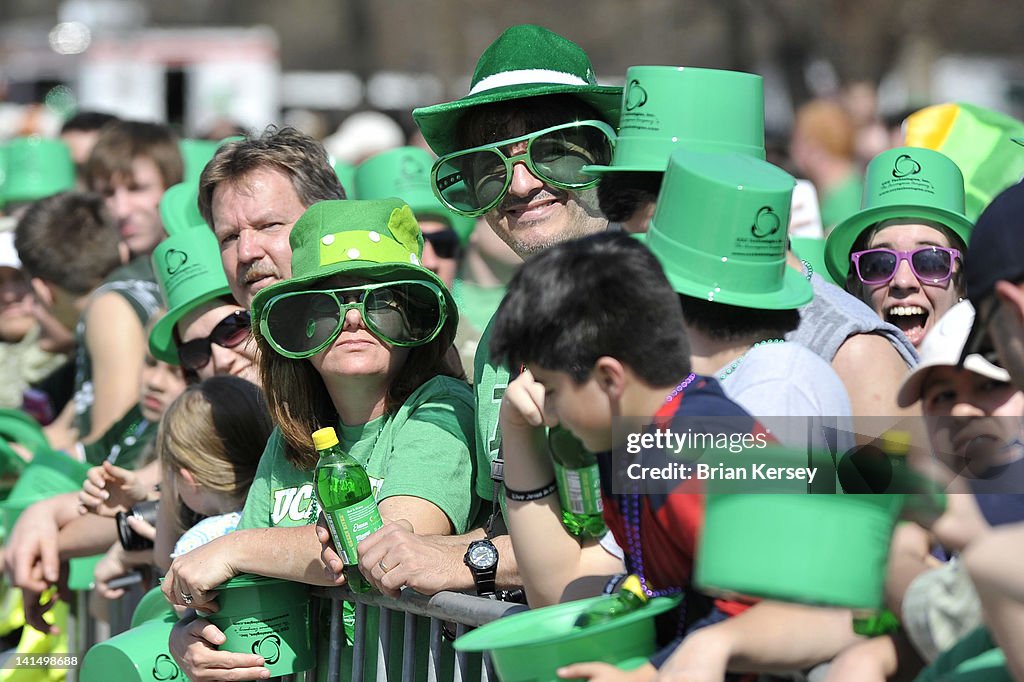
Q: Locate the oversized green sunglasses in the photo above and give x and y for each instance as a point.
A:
(471, 182)
(300, 324)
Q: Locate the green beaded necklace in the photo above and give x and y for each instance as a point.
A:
(736, 363)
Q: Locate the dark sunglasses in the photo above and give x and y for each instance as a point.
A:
(229, 333)
(930, 264)
(444, 242)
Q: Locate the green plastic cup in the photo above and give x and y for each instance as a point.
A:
(138, 655)
(268, 617)
(531, 646)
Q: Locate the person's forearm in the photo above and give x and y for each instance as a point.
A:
(288, 553)
(86, 536)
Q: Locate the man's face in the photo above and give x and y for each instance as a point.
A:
(134, 204)
(581, 408)
(253, 217)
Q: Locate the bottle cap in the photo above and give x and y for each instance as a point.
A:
(325, 438)
(896, 442)
(632, 584)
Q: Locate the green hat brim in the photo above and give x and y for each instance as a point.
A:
(377, 272)
(438, 122)
(602, 170)
(842, 238)
(796, 291)
(161, 337)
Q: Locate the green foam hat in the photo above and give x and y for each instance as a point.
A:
(667, 107)
(37, 167)
(179, 208)
(405, 172)
(980, 142)
(524, 61)
(376, 239)
(189, 271)
(906, 183)
(720, 231)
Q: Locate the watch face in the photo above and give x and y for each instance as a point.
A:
(483, 555)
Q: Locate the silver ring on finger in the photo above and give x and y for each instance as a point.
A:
(187, 598)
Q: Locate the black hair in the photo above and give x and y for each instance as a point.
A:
(603, 295)
(498, 121)
(724, 322)
(621, 194)
(87, 121)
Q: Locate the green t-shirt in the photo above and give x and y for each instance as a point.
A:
(489, 387)
(423, 450)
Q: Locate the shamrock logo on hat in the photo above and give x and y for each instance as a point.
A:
(411, 168)
(904, 166)
(636, 96)
(164, 668)
(766, 223)
(174, 259)
(269, 648)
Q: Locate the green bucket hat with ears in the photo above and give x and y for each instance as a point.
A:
(376, 239)
(667, 107)
(179, 208)
(720, 231)
(908, 183)
(189, 271)
(405, 172)
(37, 167)
(525, 61)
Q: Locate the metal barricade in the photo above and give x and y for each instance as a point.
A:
(465, 611)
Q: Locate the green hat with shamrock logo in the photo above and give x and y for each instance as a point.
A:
(910, 183)
(720, 231)
(525, 61)
(376, 239)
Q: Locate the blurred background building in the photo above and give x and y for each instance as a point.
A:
(208, 66)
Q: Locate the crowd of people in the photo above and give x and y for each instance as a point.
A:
(181, 317)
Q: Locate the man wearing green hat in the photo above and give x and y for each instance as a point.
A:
(512, 150)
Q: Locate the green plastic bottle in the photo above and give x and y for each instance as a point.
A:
(344, 493)
(629, 597)
(579, 484)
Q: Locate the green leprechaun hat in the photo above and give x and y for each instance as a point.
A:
(667, 107)
(907, 183)
(37, 167)
(377, 239)
(720, 231)
(525, 61)
(189, 271)
(179, 208)
(405, 172)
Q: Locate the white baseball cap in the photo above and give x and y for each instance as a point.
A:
(942, 348)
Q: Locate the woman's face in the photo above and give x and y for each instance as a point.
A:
(971, 418)
(239, 361)
(905, 301)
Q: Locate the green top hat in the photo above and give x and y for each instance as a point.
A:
(978, 140)
(720, 231)
(905, 182)
(195, 154)
(37, 167)
(525, 61)
(666, 107)
(188, 268)
(405, 172)
(346, 173)
(179, 208)
(378, 239)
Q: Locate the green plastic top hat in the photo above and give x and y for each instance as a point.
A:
(720, 231)
(405, 172)
(195, 154)
(525, 61)
(188, 268)
(136, 655)
(666, 107)
(37, 167)
(179, 208)
(907, 183)
(346, 173)
(3, 175)
(378, 239)
(980, 142)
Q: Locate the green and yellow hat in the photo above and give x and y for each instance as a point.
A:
(905, 182)
(667, 107)
(190, 273)
(405, 172)
(719, 231)
(525, 61)
(37, 167)
(378, 239)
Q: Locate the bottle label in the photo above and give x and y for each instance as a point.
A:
(351, 524)
(579, 489)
